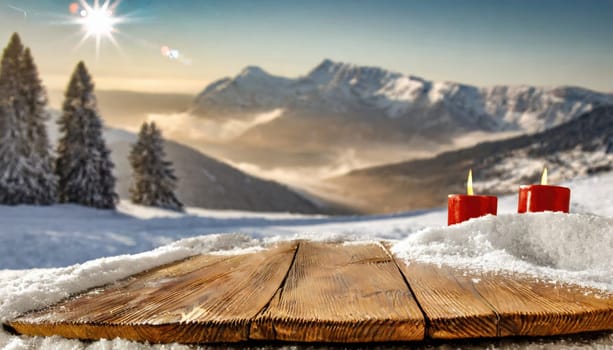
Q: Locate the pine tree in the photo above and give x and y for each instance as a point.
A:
(25, 169)
(154, 181)
(35, 99)
(83, 165)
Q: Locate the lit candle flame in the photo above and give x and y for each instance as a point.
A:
(544, 177)
(469, 183)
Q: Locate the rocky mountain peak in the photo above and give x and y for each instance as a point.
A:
(340, 89)
(253, 72)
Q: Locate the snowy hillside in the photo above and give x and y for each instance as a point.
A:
(203, 181)
(552, 246)
(414, 102)
(580, 147)
(209, 183)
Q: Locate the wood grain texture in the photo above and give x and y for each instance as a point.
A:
(531, 307)
(453, 308)
(341, 293)
(469, 304)
(209, 298)
(319, 292)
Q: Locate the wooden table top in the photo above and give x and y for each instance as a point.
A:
(319, 292)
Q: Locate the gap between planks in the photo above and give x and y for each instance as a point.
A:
(341, 293)
(279, 290)
(203, 302)
(476, 304)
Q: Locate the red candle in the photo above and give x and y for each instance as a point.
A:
(537, 198)
(461, 207)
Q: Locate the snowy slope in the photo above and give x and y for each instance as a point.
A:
(415, 103)
(62, 235)
(575, 248)
(210, 183)
(580, 147)
(203, 180)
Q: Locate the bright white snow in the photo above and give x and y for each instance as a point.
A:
(569, 247)
(575, 248)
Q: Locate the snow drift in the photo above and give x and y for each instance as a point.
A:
(575, 248)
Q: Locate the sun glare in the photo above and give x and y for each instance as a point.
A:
(98, 21)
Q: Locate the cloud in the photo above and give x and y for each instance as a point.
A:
(307, 174)
(188, 126)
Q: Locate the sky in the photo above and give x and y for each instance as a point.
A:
(480, 42)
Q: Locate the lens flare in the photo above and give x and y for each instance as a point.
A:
(74, 8)
(99, 20)
(170, 53)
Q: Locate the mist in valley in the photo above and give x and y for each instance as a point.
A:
(319, 154)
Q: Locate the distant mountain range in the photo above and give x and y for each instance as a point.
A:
(341, 117)
(579, 147)
(381, 115)
(418, 104)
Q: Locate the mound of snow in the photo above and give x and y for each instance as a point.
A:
(23, 290)
(574, 248)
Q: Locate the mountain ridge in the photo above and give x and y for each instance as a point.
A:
(579, 147)
(340, 87)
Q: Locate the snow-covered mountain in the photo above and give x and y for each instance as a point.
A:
(412, 103)
(340, 117)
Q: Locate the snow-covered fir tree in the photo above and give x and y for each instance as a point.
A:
(83, 164)
(35, 99)
(26, 176)
(154, 181)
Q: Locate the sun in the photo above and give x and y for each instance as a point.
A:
(98, 21)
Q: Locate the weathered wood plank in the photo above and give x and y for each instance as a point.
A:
(331, 293)
(530, 307)
(341, 293)
(208, 298)
(469, 304)
(453, 308)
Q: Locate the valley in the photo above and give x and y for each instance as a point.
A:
(354, 139)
